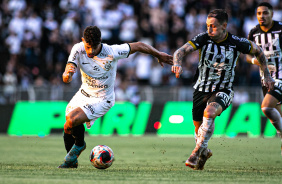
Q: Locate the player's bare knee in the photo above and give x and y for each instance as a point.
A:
(210, 112)
(267, 110)
(70, 121)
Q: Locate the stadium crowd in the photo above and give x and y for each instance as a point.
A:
(36, 38)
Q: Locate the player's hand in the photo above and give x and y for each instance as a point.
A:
(177, 69)
(269, 83)
(69, 71)
(165, 58)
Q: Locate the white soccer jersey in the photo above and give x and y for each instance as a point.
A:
(98, 74)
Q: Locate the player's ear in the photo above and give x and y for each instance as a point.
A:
(82, 39)
(271, 14)
(224, 25)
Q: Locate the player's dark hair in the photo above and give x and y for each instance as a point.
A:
(92, 35)
(219, 14)
(266, 4)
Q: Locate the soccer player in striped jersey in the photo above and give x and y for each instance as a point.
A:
(268, 35)
(219, 51)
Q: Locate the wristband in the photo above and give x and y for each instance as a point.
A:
(253, 60)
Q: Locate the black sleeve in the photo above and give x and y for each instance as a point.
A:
(243, 44)
(199, 41)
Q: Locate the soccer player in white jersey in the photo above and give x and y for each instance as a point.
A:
(219, 51)
(98, 66)
(268, 35)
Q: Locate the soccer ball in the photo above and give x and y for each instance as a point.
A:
(101, 156)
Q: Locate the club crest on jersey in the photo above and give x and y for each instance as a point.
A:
(105, 63)
(107, 66)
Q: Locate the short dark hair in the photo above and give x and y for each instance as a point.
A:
(219, 14)
(92, 35)
(265, 4)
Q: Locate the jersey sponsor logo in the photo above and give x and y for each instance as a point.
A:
(85, 63)
(75, 55)
(276, 31)
(96, 68)
(93, 83)
(123, 53)
(89, 107)
(240, 39)
(99, 78)
(103, 54)
(100, 86)
(194, 39)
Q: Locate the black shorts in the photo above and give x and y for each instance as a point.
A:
(276, 92)
(223, 97)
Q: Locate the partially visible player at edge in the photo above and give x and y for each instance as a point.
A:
(268, 35)
(98, 66)
(219, 51)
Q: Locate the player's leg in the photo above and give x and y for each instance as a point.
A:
(206, 153)
(217, 102)
(272, 110)
(269, 108)
(278, 107)
(204, 133)
(197, 125)
(74, 127)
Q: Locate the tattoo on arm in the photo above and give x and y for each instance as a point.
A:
(181, 52)
(214, 104)
(261, 58)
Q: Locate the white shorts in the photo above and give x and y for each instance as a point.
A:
(93, 107)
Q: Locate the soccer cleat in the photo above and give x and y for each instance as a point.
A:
(205, 155)
(192, 161)
(74, 153)
(68, 165)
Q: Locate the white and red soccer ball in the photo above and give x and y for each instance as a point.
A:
(101, 157)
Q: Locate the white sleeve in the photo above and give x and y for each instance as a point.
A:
(73, 57)
(121, 51)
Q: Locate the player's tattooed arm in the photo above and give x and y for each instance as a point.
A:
(181, 52)
(178, 57)
(258, 52)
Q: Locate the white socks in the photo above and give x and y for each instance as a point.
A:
(274, 117)
(204, 134)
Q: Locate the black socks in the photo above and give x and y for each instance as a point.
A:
(78, 134)
(76, 138)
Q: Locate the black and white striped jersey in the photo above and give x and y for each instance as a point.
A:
(217, 61)
(270, 42)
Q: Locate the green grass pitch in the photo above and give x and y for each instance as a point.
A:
(147, 159)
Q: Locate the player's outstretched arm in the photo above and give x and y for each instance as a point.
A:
(258, 52)
(147, 49)
(68, 73)
(178, 56)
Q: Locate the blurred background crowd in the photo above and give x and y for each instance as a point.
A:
(37, 36)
